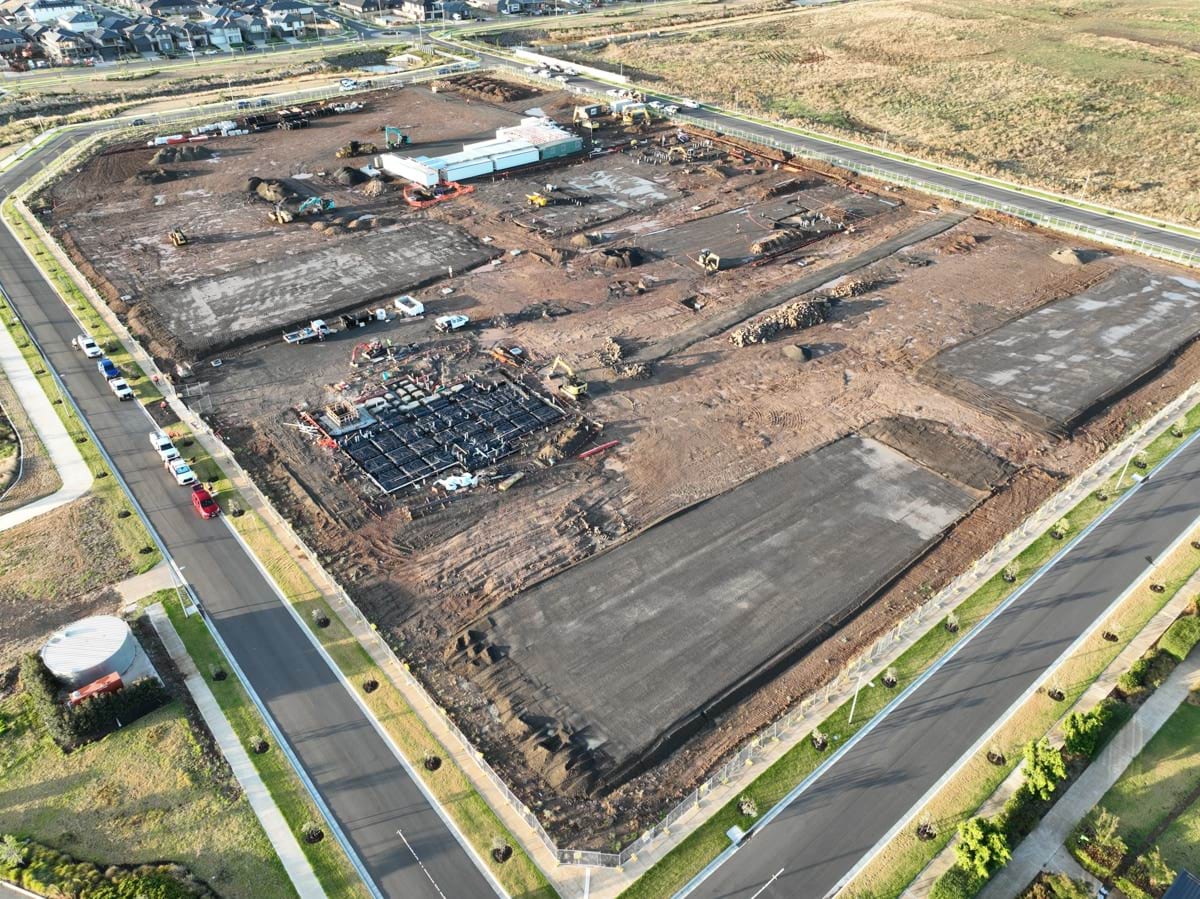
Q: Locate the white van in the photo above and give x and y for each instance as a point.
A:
(408, 306)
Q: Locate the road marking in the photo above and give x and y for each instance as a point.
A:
(766, 886)
(421, 863)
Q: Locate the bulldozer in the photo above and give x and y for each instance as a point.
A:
(178, 238)
(281, 215)
(709, 261)
(635, 116)
(538, 200)
(355, 148)
(572, 386)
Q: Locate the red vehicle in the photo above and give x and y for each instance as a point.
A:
(204, 504)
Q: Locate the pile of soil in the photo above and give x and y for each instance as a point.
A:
(484, 87)
(181, 153)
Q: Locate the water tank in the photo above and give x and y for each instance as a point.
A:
(90, 648)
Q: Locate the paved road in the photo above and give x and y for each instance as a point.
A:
(721, 121)
(817, 839)
(355, 770)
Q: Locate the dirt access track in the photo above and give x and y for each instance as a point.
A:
(602, 701)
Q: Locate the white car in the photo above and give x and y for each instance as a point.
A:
(88, 346)
(671, 109)
(655, 104)
(563, 78)
(689, 104)
(613, 92)
(163, 446)
(121, 388)
(181, 472)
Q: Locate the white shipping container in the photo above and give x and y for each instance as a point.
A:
(414, 170)
(513, 159)
(461, 171)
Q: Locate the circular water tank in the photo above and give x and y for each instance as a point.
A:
(90, 648)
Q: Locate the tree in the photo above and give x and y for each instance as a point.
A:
(1154, 870)
(1106, 830)
(1082, 730)
(1044, 768)
(982, 846)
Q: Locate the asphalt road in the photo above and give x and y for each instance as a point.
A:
(720, 121)
(353, 767)
(820, 836)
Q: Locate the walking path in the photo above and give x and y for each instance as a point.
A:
(73, 471)
(1100, 688)
(1037, 849)
(134, 589)
(273, 824)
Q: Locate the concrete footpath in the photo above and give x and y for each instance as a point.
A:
(73, 471)
(1037, 850)
(286, 846)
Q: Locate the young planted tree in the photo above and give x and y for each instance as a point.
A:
(1044, 768)
(982, 846)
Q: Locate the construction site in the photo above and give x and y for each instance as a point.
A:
(628, 437)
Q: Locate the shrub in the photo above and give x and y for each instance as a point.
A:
(1021, 814)
(747, 806)
(957, 883)
(982, 847)
(1058, 886)
(1181, 637)
(49, 872)
(1135, 678)
(1082, 730)
(1044, 767)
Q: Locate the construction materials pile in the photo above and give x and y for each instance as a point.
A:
(778, 241)
(484, 87)
(792, 317)
(612, 354)
(565, 442)
(180, 153)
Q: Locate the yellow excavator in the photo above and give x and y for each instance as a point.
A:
(572, 386)
(709, 261)
(537, 200)
(178, 238)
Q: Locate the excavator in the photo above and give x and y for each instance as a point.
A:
(314, 205)
(709, 261)
(394, 138)
(371, 351)
(178, 238)
(572, 386)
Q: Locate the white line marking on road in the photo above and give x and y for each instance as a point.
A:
(421, 863)
(766, 886)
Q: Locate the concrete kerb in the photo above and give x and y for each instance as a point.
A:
(270, 818)
(278, 736)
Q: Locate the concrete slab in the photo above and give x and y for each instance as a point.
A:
(634, 644)
(262, 298)
(1060, 360)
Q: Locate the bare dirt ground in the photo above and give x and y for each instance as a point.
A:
(28, 474)
(53, 570)
(708, 417)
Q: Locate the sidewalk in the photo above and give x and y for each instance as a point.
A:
(1091, 697)
(1037, 849)
(73, 471)
(286, 846)
(135, 588)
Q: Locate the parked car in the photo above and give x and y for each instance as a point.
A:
(163, 446)
(86, 345)
(108, 368)
(181, 472)
(121, 388)
(138, 122)
(671, 109)
(687, 103)
(613, 92)
(203, 503)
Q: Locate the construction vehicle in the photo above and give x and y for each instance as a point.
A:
(315, 205)
(677, 154)
(394, 138)
(421, 197)
(709, 261)
(591, 117)
(315, 330)
(553, 197)
(636, 115)
(509, 355)
(371, 351)
(447, 323)
(572, 386)
(355, 148)
(537, 199)
(178, 238)
(281, 215)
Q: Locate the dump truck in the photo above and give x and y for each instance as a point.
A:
(315, 330)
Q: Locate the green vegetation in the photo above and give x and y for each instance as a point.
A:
(1044, 768)
(1181, 637)
(333, 869)
(896, 866)
(133, 75)
(1057, 886)
(147, 792)
(1081, 98)
(982, 846)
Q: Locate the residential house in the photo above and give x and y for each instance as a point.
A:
(253, 28)
(287, 25)
(108, 42)
(77, 23)
(150, 37)
(12, 42)
(222, 31)
(189, 36)
(65, 47)
(165, 8)
(44, 12)
(277, 10)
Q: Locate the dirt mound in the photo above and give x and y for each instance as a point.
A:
(184, 153)
(793, 316)
(349, 176)
(375, 188)
(1068, 256)
(620, 257)
(273, 191)
(583, 241)
(154, 176)
(484, 87)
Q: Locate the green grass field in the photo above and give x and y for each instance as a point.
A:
(146, 793)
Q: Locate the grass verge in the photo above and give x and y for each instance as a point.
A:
(333, 869)
(145, 793)
(903, 860)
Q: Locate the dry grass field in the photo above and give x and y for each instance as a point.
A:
(1096, 98)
